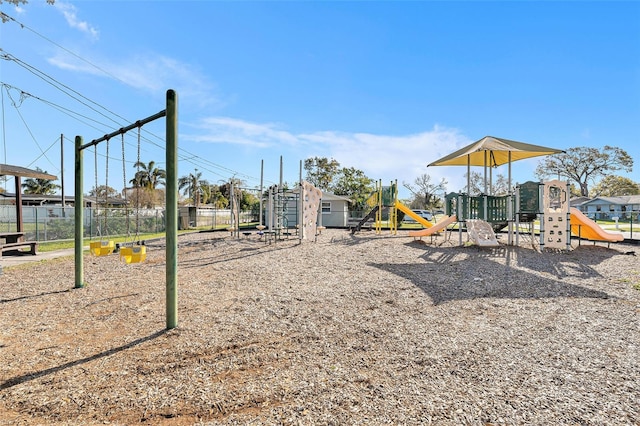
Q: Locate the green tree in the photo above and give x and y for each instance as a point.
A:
(476, 183)
(146, 180)
(148, 175)
(353, 184)
(225, 188)
(426, 192)
(191, 186)
(500, 186)
(39, 186)
(103, 193)
(615, 186)
(321, 172)
(19, 2)
(249, 201)
(211, 194)
(5, 17)
(584, 165)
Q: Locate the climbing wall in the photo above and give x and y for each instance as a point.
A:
(311, 197)
(557, 233)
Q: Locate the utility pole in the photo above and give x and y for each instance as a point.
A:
(62, 171)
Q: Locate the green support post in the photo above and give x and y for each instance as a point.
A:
(78, 222)
(172, 210)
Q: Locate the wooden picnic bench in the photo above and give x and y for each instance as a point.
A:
(14, 241)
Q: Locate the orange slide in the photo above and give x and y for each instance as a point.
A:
(439, 226)
(584, 227)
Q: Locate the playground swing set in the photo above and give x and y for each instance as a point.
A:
(130, 252)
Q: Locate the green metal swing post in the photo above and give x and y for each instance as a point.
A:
(171, 113)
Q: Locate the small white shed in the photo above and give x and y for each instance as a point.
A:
(334, 210)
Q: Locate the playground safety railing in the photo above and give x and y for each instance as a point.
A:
(486, 207)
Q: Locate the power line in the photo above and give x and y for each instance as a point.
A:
(43, 154)
(60, 108)
(50, 80)
(10, 18)
(22, 97)
(202, 163)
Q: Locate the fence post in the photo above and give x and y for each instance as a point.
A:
(36, 216)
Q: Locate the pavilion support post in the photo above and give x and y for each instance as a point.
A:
(19, 222)
(510, 207)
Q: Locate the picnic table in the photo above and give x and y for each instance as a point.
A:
(14, 242)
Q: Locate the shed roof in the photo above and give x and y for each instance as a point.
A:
(9, 170)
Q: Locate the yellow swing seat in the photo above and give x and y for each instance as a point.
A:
(134, 254)
(101, 248)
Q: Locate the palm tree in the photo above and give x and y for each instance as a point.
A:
(148, 175)
(148, 178)
(39, 186)
(191, 186)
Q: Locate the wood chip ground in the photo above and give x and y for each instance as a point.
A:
(349, 330)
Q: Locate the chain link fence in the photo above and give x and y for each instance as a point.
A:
(43, 223)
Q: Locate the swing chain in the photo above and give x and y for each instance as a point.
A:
(106, 186)
(95, 173)
(124, 186)
(138, 186)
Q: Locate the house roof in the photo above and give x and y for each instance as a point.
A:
(58, 197)
(577, 201)
(328, 196)
(623, 200)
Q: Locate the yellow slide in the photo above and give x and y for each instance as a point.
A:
(586, 228)
(439, 226)
(406, 210)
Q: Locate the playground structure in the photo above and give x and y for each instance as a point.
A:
(523, 204)
(481, 216)
(289, 212)
(548, 202)
(383, 201)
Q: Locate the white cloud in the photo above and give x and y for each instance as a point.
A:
(69, 12)
(386, 157)
(395, 157)
(238, 132)
(150, 73)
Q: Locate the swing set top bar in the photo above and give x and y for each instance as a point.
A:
(122, 130)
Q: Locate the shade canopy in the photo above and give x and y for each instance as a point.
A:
(8, 170)
(492, 152)
(18, 173)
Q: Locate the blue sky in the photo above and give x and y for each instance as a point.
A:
(386, 87)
